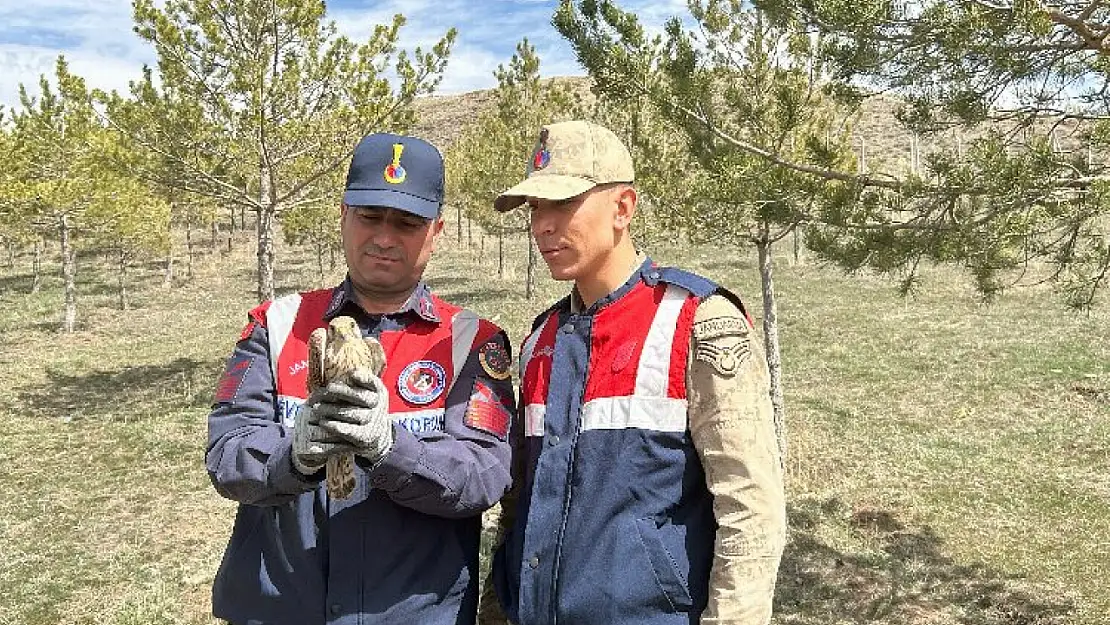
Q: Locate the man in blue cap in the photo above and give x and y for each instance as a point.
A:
(428, 433)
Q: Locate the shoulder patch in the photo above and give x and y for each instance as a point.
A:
(495, 360)
(725, 359)
(722, 335)
(717, 327)
(487, 411)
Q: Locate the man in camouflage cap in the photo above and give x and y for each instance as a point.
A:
(647, 479)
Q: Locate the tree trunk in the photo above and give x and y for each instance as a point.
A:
(36, 266)
(167, 275)
(231, 211)
(500, 253)
(265, 231)
(69, 275)
(331, 257)
(215, 244)
(320, 251)
(469, 233)
(267, 217)
(530, 279)
(458, 221)
(121, 258)
(189, 251)
(798, 237)
(771, 342)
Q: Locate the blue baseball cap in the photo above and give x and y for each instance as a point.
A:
(398, 172)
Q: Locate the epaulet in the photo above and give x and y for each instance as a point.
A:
(697, 285)
(700, 287)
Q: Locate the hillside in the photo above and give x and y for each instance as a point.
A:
(877, 137)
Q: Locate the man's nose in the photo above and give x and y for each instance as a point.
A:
(541, 223)
(384, 236)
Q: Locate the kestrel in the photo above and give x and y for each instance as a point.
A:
(333, 353)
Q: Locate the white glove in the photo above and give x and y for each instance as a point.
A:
(355, 415)
(312, 445)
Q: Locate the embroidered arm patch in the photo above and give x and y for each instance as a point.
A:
(232, 379)
(487, 412)
(722, 343)
(495, 360)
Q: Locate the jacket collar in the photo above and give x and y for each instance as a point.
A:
(646, 271)
(419, 303)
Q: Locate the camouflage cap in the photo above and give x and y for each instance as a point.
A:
(570, 158)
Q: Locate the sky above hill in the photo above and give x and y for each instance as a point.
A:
(97, 40)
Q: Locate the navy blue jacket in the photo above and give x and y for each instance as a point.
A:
(403, 549)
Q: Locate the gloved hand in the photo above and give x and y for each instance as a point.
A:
(312, 445)
(357, 414)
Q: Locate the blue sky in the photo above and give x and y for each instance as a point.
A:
(97, 40)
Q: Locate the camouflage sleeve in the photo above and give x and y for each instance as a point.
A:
(733, 431)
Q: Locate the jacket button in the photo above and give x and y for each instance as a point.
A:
(655, 275)
(534, 562)
(554, 440)
(335, 609)
(568, 328)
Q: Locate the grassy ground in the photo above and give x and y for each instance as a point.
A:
(950, 462)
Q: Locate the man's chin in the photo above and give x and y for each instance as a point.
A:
(377, 283)
(562, 274)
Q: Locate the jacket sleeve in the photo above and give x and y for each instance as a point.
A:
(500, 522)
(733, 430)
(463, 470)
(249, 449)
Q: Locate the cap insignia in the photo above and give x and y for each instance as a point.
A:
(542, 157)
(395, 173)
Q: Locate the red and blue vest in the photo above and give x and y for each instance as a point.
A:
(421, 360)
(615, 522)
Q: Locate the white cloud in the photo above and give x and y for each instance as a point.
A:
(97, 38)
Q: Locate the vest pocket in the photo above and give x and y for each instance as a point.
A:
(671, 581)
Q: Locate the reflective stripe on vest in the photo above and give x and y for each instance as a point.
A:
(291, 387)
(649, 407)
(279, 322)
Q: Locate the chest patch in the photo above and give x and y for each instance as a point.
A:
(422, 382)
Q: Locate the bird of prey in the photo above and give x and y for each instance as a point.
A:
(333, 353)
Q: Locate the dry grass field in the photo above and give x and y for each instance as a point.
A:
(950, 461)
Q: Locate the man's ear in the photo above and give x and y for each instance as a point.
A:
(626, 206)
